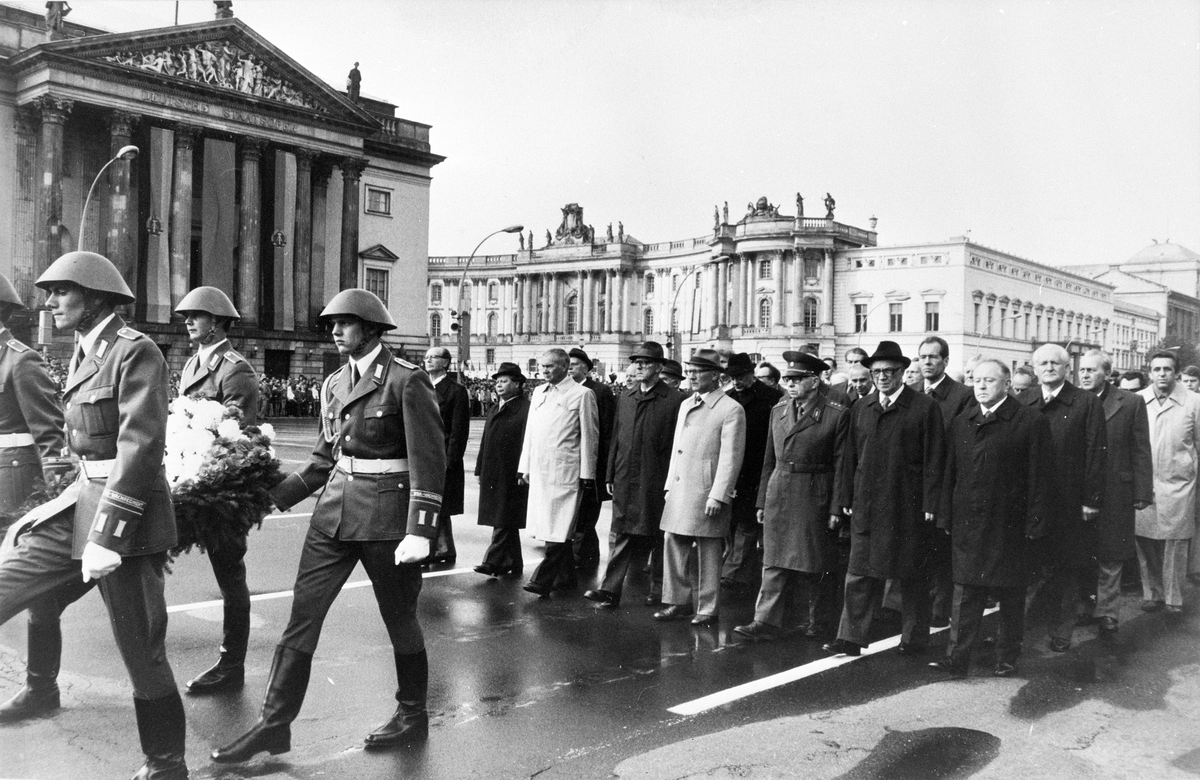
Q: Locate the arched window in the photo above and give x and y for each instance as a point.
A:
(491, 325)
(648, 322)
(810, 313)
(764, 313)
(435, 323)
(572, 314)
(649, 287)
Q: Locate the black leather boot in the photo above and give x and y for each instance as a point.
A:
(410, 723)
(40, 693)
(227, 674)
(285, 693)
(163, 732)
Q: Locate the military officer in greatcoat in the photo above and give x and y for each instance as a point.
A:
(31, 443)
(379, 464)
(114, 525)
(218, 372)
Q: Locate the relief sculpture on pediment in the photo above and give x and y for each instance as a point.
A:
(221, 64)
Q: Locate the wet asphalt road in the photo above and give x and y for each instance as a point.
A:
(523, 687)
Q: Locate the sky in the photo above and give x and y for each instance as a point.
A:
(1062, 132)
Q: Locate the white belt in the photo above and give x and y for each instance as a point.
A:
(16, 440)
(352, 465)
(96, 469)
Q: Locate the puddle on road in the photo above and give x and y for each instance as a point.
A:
(927, 754)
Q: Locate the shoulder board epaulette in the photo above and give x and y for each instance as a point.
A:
(17, 345)
(405, 363)
(233, 357)
(782, 402)
(835, 405)
(130, 333)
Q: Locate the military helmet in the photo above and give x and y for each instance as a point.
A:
(360, 303)
(8, 294)
(208, 299)
(90, 271)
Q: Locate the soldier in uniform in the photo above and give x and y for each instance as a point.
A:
(219, 373)
(31, 442)
(112, 527)
(379, 464)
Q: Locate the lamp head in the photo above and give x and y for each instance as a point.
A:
(514, 229)
(128, 153)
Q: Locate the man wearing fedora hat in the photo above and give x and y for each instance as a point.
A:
(503, 500)
(586, 543)
(672, 374)
(741, 565)
(897, 447)
(710, 438)
(455, 408)
(636, 473)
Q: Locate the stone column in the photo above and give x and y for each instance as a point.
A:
(120, 214)
(53, 240)
(827, 289)
(352, 168)
(777, 312)
(751, 313)
(723, 292)
(321, 170)
(796, 276)
(250, 151)
(181, 213)
(302, 257)
(714, 294)
(622, 324)
(584, 300)
(526, 304)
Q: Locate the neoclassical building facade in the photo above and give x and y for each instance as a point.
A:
(252, 175)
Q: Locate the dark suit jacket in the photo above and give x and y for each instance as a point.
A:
(1079, 466)
(641, 456)
(455, 409)
(502, 502)
(606, 411)
(1130, 472)
(757, 401)
(952, 398)
(836, 394)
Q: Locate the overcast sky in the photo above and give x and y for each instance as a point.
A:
(1064, 132)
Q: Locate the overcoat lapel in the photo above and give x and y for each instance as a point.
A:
(373, 378)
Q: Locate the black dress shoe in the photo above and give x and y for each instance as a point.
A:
(705, 621)
(911, 648)
(604, 598)
(225, 675)
(488, 569)
(674, 612)
(1059, 645)
(653, 601)
(1004, 669)
(842, 647)
(757, 631)
(541, 591)
(949, 667)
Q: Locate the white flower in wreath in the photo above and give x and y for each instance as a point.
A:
(207, 414)
(231, 430)
(268, 430)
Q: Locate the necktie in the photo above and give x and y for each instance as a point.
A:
(929, 391)
(884, 402)
(795, 412)
(987, 415)
(77, 360)
(354, 375)
(699, 400)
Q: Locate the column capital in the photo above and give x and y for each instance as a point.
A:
(54, 109)
(186, 135)
(352, 167)
(322, 169)
(26, 119)
(304, 158)
(121, 123)
(251, 148)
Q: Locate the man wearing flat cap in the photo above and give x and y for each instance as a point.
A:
(586, 543)
(503, 500)
(710, 438)
(636, 473)
(805, 482)
(897, 447)
(741, 566)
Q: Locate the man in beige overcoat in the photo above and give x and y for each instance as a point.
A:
(710, 435)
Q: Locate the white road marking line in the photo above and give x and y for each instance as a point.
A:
(744, 690)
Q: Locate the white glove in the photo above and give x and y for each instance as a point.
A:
(412, 549)
(98, 561)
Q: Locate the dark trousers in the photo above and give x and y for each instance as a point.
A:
(557, 569)
(863, 597)
(814, 592)
(626, 549)
(966, 620)
(942, 577)
(1057, 586)
(444, 544)
(41, 576)
(326, 564)
(586, 542)
(742, 558)
(229, 567)
(505, 550)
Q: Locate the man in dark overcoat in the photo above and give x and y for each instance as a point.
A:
(636, 473)
(455, 408)
(586, 543)
(995, 501)
(1079, 465)
(952, 398)
(1129, 486)
(897, 446)
(503, 500)
(741, 564)
(805, 482)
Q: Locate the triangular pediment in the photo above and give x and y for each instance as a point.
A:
(379, 252)
(223, 60)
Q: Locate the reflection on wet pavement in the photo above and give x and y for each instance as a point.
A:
(927, 754)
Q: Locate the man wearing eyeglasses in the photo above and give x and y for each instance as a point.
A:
(897, 446)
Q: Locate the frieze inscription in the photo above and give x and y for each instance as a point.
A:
(200, 107)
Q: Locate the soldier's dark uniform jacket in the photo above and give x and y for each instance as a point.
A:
(31, 423)
(224, 376)
(116, 420)
(391, 414)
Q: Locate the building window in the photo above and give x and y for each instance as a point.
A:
(572, 314)
(435, 295)
(932, 316)
(810, 313)
(977, 318)
(764, 313)
(649, 286)
(493, 293)
(648, 322)
(674, 282)
(375, 280)
(812, 266)
(379, 201)
(895, 317)
(489, 355)
(764, 269)
(674, 320)
(860, 318)
(435, 325)
(492, 321)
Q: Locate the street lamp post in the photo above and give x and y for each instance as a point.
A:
(988, 328)
(463, 326)
(125, 153)
(673, 346)
(867, 316)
